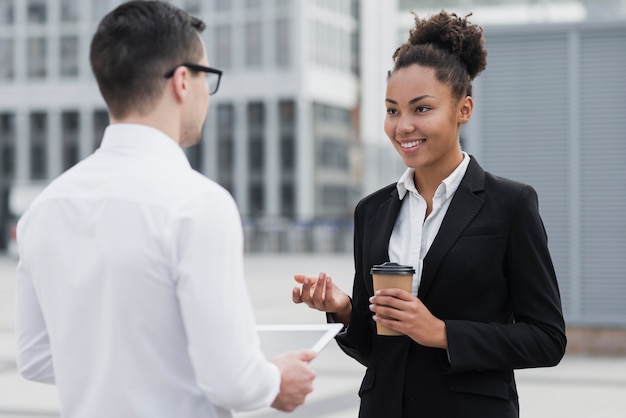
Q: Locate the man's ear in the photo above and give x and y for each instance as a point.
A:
(465, 109)
(179, 83)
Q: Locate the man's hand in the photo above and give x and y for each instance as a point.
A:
(296, 379)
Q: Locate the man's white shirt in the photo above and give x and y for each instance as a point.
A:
(130, 288)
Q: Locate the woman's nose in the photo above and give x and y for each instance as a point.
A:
(405, 125)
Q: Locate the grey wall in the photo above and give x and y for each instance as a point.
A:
(549, 112)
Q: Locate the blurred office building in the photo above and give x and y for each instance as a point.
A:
(281, 133)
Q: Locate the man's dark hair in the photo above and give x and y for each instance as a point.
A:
(134, 46)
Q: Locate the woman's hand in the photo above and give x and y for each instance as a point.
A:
(320, 293)
(405, 313)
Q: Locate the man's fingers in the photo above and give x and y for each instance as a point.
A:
(306, 355)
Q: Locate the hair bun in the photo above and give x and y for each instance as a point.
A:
(455, 35)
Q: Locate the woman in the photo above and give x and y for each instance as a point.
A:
(485, 298)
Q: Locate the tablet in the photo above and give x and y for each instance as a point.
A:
(279, 339)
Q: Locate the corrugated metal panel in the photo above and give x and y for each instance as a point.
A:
(524, 94)
(603, 175)
(552, 117)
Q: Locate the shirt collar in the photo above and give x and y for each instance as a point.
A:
(448, 186)
(146, 139)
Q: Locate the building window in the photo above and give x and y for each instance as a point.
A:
(354, 54)
(37, 11)
(38, 145)
(7, 145)
(288, 200)
(287, 127)
(7, 68)
(256, 126)
(335, 198)
(256, 157)
(194, 155)
(36, 56)
(225, 147)
(223, 46)
(70, 127)
(257, 199)
(69, 10)
(69, 56)
(334, 153)
(283, 44)
(254, 44)
(7, 12)
(287, 135)
(100, 122)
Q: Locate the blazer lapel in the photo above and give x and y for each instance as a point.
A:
(463, 208)
(385, 221)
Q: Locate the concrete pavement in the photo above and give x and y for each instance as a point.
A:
(580, 387)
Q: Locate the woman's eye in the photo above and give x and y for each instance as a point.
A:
(421, 109)
(392, 111)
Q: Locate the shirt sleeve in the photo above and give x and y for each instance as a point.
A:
(216, 309)
(34, 355)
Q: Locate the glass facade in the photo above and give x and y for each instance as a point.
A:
(334, 136)
(37, 11)
(254, 142)
(38, 127)
(69, 11)
(70, 124)
(69, 56)
(7, 145)
(256, 157)
(222, 46)
(7, 12)
(225, 145)
(253, 44)
(283, 44)
(287, 125)
(7, 57)
(100, 122)
(36, 57)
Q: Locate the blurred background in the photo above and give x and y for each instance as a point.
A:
(296, 130)
(296, 135)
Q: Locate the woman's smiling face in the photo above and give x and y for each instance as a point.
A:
(423, 119)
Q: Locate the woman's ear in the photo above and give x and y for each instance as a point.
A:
(465, 109)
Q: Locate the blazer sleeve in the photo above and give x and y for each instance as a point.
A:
(536, 335)
(356, 340)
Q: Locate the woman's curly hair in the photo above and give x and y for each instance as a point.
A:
(449, 44)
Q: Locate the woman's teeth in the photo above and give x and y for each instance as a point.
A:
(411, 144)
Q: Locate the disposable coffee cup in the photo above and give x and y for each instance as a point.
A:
(391, 275)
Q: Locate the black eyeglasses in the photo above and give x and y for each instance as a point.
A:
(214, 75)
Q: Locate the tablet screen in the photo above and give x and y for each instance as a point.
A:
(279, 339)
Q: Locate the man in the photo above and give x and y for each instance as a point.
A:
(130, 293)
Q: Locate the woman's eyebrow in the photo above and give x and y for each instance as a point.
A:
(412, 101)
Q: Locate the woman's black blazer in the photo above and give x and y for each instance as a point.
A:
(489, 276)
